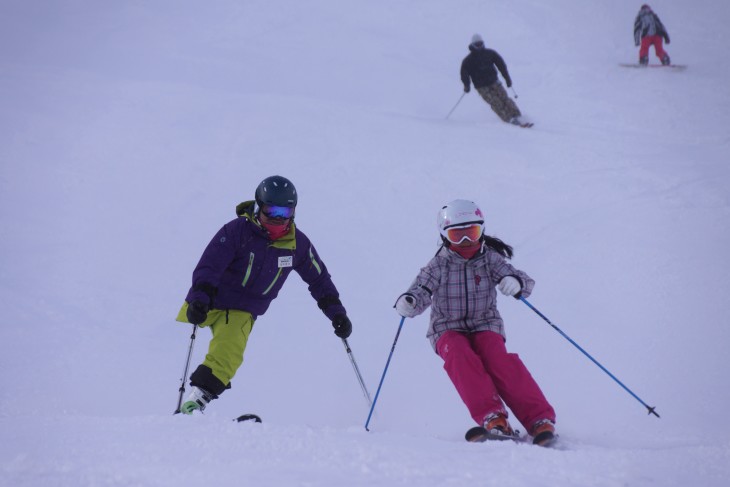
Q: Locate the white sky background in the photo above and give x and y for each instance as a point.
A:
(130, 130)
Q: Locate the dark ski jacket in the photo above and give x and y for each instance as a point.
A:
(479, 66)
(647, 23)
(242, 269)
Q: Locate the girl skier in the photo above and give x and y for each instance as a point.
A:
(466, 329)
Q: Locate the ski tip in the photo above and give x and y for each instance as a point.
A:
(478, 434)
(475, 434)
(248, 417)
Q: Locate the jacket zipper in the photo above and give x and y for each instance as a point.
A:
(276, 278)
(314, 261)
(466, 294)
(248, 270)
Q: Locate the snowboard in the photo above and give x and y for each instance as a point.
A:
(676, 67)
(479, 434)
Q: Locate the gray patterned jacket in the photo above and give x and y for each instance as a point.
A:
(647, 23)
(462, 293)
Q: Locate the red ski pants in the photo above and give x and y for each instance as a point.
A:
(655, 41)
(484, 374)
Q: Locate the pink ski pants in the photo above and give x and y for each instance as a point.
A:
(484, 374)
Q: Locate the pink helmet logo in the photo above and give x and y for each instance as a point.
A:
(479, 213)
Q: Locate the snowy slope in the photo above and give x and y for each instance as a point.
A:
(130, 130)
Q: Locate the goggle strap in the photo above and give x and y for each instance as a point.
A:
(465, 224)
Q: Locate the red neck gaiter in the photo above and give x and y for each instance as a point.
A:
(276, 231)
(466, 252)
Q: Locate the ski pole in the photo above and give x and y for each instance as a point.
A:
(377, 393)
(514, 92)
(651, 410)
(457, 104)
(185, 372)
(357, 371)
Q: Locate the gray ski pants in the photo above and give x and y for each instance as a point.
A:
(500, 101)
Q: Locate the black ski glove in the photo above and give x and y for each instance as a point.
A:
(342, 326)
(467, 88)
(197, 312)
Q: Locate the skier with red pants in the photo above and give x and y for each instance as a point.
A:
(467, 331)
(649, 31)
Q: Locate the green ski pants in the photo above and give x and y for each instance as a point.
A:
(230, 329)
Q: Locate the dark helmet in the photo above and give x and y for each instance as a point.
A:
(276, 191)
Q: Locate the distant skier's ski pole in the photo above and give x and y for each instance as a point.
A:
(651, 410)
(377, 393)
(514, 92)
(357, 372)
(185, 372)
(457, 104)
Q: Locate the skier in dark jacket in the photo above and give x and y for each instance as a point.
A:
(649, 31)
(240, 272)
(479, 68)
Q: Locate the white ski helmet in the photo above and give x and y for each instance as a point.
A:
(458, 213)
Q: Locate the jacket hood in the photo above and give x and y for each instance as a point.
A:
(246, 209)
(473, 48)
(477, 43)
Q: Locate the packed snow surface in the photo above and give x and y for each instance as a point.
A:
(130, 130)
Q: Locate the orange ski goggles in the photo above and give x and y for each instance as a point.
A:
(472, 232)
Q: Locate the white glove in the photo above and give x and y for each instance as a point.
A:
(509, 286)
(406, 305)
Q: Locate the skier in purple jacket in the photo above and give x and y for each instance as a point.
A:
(466, 330)
(240, 272)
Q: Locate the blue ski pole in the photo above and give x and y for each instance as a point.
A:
(377, 393)
(650, 409)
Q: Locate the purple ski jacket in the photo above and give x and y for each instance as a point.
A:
(462, 292)
(247, 269)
